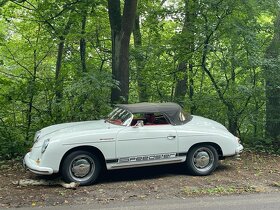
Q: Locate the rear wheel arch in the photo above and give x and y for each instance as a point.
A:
(216, 146)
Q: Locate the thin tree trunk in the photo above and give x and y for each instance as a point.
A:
(58, 79)
(83, 42)
(31, 97)
(181, 85)
(140, 61)
(272, 86)
(231, 112)
(191, 89)
(58, 74)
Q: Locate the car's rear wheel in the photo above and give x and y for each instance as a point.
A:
(81, 166)
(202, 160)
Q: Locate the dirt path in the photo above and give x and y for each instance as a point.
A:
(252, 173)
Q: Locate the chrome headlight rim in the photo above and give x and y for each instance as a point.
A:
(37, 136)
(45, 145)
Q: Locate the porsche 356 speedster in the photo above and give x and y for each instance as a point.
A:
(133, 135)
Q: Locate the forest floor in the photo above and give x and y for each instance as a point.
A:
(251, 173)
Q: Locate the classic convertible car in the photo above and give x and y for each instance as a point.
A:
(133, 135)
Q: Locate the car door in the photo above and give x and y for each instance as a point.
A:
(146, 144)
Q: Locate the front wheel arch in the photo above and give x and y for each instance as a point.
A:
(90, 149)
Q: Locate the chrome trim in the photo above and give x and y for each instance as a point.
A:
(106, 139)
(145, 164)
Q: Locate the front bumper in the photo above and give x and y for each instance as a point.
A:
(31, 165)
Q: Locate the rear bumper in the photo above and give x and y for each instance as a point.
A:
(31, 165)
(239, 149)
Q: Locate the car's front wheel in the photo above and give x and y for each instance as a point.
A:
(202, 160)
(81, 166)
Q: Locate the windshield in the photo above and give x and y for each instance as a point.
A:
(120, 117)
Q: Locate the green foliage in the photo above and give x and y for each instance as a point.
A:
(87, 98)
(260, 144)
(28, 53)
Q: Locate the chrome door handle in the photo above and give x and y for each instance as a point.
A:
(171, 137)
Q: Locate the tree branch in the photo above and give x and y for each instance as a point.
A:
(17, 62)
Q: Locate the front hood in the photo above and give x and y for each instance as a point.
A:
(74, 127)
(205, 122)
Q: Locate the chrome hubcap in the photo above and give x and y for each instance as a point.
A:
(203, 159)
(82, 167)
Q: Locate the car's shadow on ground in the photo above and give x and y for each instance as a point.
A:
(153, 172)
(134, 174)
(142, 173)
(223, 167)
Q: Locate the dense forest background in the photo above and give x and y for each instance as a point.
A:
(71, 60)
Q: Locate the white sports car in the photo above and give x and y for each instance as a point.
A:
(133, 135)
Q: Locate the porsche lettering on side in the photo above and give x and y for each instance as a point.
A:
(147, 158)
(133, 135)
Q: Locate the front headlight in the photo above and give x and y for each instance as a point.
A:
(45, 145)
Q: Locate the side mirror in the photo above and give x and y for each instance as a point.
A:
(140, 123)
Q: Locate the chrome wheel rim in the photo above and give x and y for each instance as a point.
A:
(203, 159)
(82, 168)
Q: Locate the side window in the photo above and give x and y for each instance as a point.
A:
(150, 119)
(136, 117)
(155, 119)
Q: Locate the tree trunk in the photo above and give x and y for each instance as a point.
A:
(232, 119)
(31, 97)
(181, 85)
(182, 70)
(58, 74)
(121, 28)
(83, 42)
(191, 89)
(272, 86)
(232, 112)
(58, 78)
(140, 61)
